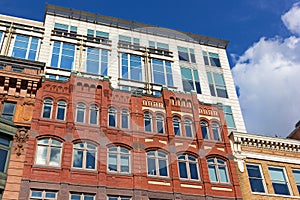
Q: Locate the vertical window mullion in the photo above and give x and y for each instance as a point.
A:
(60, 55)
(28, 47)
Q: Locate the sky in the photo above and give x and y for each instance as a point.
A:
(264, 48)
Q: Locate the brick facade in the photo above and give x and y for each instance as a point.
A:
(137, 184)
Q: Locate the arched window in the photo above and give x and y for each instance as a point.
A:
(148, 122)
(160, 123)
(216, 131)
(125, 118)
(157, 163)
(112, 116)
(188, 128)
(188, 167)
(93, 114)
(118, 159)
(61, 110)
(80, 113)
(84, 156)
(204, 130)
(217, 170)
(177, 126)
(48, 152)
(47, 108)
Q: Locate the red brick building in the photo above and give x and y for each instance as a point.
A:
(88, 141)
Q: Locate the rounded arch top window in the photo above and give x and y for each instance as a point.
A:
(47, 108)
(177, 126)
(61, 110)
(112, 117)
(148, 122)
(80, 112)
(94, 114)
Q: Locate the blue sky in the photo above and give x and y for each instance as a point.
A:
(250, 25)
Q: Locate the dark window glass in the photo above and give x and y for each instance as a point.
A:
(8, 110)
(255, 178)
(279, 181)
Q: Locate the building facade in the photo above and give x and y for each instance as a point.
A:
(19, 82)
(135, 56)
(268, 167)
(89, 141)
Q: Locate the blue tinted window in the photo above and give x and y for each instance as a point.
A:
(255, 178)
(162, 72)
(131, 67)
(279, 181)
(97, 61)
(25, 47)
(8, 110)
(63, 55)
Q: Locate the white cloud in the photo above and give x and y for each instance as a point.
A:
(268, 75)
(291, 19)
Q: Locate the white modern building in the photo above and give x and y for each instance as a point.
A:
(136, 57)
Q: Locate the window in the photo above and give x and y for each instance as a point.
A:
(93, 114)
(190, 80)
(188, 167)
(125, 118)
(131, 67)
(159, 123)
(48, 152)
(63, 55)
(47, 108)
(1, 34)
(217, 170)
(162, 72)
(84, 156)
(97, 61)
(148, 122)
(228, 116)
(82, 196)
(211, 59)
(217, 84)
(25, 47)
(8, 110)
(80, 113)
(204, 130)
(118, 198)
(61, 110)
(157, 163)
(43, 195)
(297, 178)
(118, 159)
(158, 47)
(177, 126)
(65, 30)
(255, 178)
(188, 128)
(215, 131)
(97, 36)
(5, 143)
(186, 54)
(125, 41)
(279, 180)
(112, 116)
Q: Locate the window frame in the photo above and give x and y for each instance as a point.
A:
(61, 106)
(214, 87)
(177, 120)
(60, 55)
(119, 153)
(49, 148)
(256, 178)
(8, 115)
(286, 180)
(190, 54)
(94, 109)
(207, 57)
(85, 150)
(157, 158)
(187, 163)
(28, 48)
(188, 122)
(82, 195)
(297, 182)
(130, 68)
(216, 126)
(167, 72)
(148, 117)
(43, 196)
(101, 63)
(159, 118)
(125, 113)
(229, 116)
(207, 129)
(112, 111)
(113, 197)
(7, 149)
(216, 166)
(81, 107)
(195, 79)
(51, 108)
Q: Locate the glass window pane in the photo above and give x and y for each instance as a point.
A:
(124, 163)
(90, 160)
(194, 171)
(75, 197)
(253, 171)
(257, 185)
(41, 155)
(55, 156)
(223, 174)
(112, 162)
(212, 173)
(3, 158)
(36, 193)
(151, 166)
(182, 170)
(78, 158)
(163, 168)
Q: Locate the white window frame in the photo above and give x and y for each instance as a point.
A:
(188, 121)
(85, 149)
(286, 177)
(119, 197)
(84, 111)
(49, 147)
(157, 158)
(43, 197)
(119, 153)
(82, 195)
(216, 165)
(28, 46)
(165, 72)
(177, 120)
(95, 108)
(129, 68)
(262, 179)
(99, 61)
(65, 107)
(60, 55)
(148, 116)
(125, 112)
(114, 111)
(50, 117)
(162, 120)
(187, 164)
